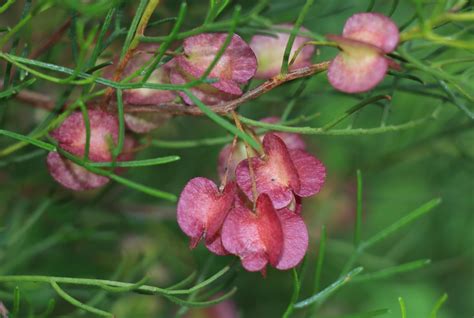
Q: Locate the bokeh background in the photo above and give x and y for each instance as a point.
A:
(123, 234)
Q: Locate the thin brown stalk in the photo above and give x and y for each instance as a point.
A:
(248, 151)
(179, 109)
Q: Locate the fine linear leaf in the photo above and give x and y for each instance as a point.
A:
(456, 100)
(322, 295)
(15, 89)
(136, 163)
(32, 141)
(353, 110)
(358, 221)
(199, 304)
(320, 261)
(131, 184)
(403, 310)
(289, 45)
(392, 271)
(35, 216)
(438, 305)
(184, 282)
(338, 132)
(16, 301)
(73, 301)
(295, 295)
(146, 289)
(407, 219)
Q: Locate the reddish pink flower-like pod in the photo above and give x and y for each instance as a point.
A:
(362, 64)
(215, 246)
(275, 174)
(281, 174)
(270, 51)
(206, 93)
(257, 238)
(372, 28)
(71, 134)
(147, 96)
(144, 122)
(311, 172)
(292, 141)
(77, 178)
(71, 175)
(202, 209)
(295, 239)
(235, 67)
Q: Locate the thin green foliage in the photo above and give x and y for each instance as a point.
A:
(322, 295)
(121, 136)
(438, 305)
(402, 222)
(403, 310)
(428, 69)
(295, 295)
(16, 88)
(392, 271)
(289, 45)
(358, 220)
(73, 301)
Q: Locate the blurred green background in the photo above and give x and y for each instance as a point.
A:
(121, 233)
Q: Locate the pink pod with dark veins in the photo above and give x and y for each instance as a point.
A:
(270, 51)
(236, 66)
(71, 136)
(281, 173)
(201, 211)
(229, 158)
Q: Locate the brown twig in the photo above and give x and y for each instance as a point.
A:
(35, 99)
(225, 108)
(53, 39)
(44, 101)
(151, 6)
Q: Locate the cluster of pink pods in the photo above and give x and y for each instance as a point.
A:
(360, 66)
(255, 214)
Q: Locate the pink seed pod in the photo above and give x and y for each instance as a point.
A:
(311, 172)
(71, 136)
(104, 128)
(144, 122)
(268, 236)
(362, 63)
(257, 238)
(281, 174)
(295, 239)
(271, 49)
(228, 165)
(206, 93)
(147, 96)
(235, 67)
(71, 175)
(202, 209)
(275, 174)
